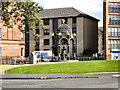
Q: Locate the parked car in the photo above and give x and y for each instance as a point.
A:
(45, 60)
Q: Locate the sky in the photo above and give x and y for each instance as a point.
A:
(91, 7)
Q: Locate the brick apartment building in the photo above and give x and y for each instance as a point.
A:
(112, 29)
(12, 41)
(75, 32)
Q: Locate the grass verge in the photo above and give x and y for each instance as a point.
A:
(73, 67)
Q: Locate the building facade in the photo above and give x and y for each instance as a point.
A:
(100, 40)
(68, 33)
(12, 42)
(111, 29)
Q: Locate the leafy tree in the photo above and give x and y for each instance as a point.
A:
(22, 13)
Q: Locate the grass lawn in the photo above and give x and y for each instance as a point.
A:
(73, 67)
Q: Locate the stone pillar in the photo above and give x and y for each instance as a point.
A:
(79, 36)
(70, 49)
(31, 42)
(68, 56)
(60, 53)
(70, 23)
(53, 56)
(59, 56)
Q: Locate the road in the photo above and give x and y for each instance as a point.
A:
(62, 83)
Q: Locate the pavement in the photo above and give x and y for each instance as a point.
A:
(62, 76)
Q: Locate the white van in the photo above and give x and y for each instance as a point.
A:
(42, 56)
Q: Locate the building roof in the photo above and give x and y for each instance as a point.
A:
(63, 12)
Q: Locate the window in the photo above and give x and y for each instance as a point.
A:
(74, 30)
(114, 7)
(64, 42)
(114, 19)
(37, 42)
(46, 41)
(46, 21)
(118, 31)
(114, 44)
(113, 31)
(0, 3)
(64, 20)
(22, 20)
(46, 31)
(37, 31)
(0, 15)
(0, 52)
(74, 20)
(22, 51)
(27, 32)
(55, 25)
(21, 35)
(0, 19)
(0, 33)
(37, 45)
(46, 49)
(37, 24)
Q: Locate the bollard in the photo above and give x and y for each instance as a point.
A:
(41, 77)
(45, 77)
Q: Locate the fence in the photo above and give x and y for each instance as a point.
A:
(89, 58)
(7, 59)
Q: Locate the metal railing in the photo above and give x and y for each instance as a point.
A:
(10, 60)
(6, 60)
(89, 58)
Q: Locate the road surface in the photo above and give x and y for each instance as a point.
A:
(62, 83)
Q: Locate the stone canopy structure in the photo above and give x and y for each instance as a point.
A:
(64, 42)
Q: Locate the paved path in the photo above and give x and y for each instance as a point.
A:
(6, 67)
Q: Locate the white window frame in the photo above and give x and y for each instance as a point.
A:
(0, 33)
(22, 36)
(22, 51)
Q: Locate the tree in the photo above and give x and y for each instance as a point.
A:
(24, 13)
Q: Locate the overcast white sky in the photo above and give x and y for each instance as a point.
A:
(91, 7)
